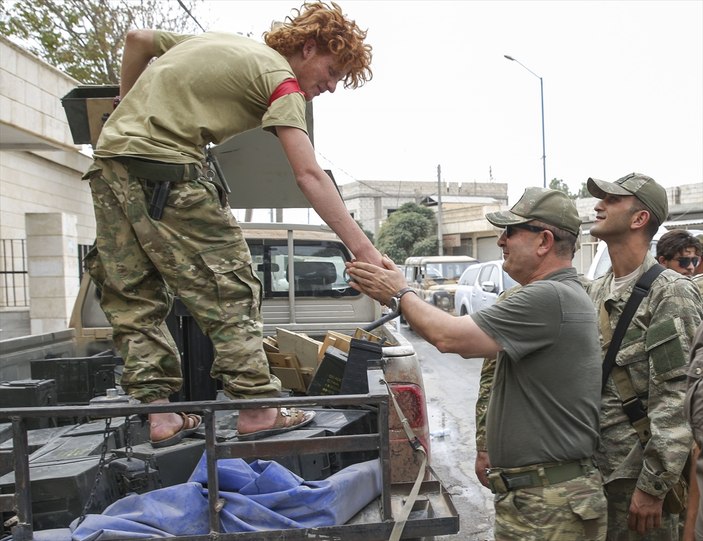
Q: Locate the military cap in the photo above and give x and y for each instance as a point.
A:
(644, 188)
(552, 207)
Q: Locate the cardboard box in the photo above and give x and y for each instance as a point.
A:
(285, 367)
(270, 345)
(304, 347)
(335, 339)
(361, 334)
(283, 360)
(291, 378)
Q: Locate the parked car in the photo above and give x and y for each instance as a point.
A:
(601, 260)
(479, 287)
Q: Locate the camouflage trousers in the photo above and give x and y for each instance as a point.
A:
(196, 251)
(619, 493)
(574, 510)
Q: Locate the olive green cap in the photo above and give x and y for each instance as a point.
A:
(552, 207)
(644, 188)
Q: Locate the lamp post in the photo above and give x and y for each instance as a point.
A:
(541, 93)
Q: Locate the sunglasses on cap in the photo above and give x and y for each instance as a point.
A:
(686, 261)
(510, 229)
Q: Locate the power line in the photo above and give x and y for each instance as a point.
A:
(191, 15)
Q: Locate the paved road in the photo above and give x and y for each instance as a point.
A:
(451, 385)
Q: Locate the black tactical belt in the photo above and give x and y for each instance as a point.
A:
(502, 480)
(161, 171)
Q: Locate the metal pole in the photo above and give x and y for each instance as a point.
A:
(439, 211)
(541, 94)
(544, 150)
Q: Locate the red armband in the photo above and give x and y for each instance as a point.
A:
(289, 86)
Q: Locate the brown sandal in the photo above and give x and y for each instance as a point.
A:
(287, 419)
(191, 423)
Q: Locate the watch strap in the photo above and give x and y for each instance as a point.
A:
(403, 291)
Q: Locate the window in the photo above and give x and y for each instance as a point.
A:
(318, 268)
(468, 278)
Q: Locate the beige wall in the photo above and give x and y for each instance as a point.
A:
(40, 167)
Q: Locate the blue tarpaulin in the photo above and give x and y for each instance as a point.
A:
(261, 495)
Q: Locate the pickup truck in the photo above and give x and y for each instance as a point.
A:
(304, 293)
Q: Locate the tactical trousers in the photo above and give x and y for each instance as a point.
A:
(574, 510)
(619, 493)
(196, 251)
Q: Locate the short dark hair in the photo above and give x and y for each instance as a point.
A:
(676, 241)
(564, 241)
(653, 224)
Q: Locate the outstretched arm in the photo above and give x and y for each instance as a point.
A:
(319, 189)
(448, 333)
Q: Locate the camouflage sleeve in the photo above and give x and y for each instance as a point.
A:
(484, 393)
(676, 313)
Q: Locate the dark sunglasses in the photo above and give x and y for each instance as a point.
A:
(686, 261)
(510, 229)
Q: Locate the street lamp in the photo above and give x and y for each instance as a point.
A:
(541, 93)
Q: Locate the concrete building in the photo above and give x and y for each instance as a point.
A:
(46, 212)
(465, 231)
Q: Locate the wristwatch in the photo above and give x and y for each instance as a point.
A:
(395, 299)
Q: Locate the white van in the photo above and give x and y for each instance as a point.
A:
(601, 261)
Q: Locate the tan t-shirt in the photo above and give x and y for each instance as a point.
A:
(201, 89)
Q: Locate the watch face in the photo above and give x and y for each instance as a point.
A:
(395, 304)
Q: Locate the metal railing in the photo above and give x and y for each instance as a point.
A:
(21, 501)
(14, 275)
(14, 286)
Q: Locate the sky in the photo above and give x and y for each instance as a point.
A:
(622, 80)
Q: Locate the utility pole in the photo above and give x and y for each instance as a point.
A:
(541, 97)
(439, 210)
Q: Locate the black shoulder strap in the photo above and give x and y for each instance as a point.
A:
(639, 292)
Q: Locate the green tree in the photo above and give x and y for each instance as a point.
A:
(558, 184)
(583, 191)
(84, 38)
(409, 231)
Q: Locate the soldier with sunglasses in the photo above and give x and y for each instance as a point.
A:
(542, 417)
(680, 251)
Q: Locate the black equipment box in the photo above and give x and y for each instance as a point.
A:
(345, 422)
(329, 374)
(30, 393)
(87, 108)
(174, 464)
(61, 489)
(309, 467)
(355, 379)
(36, 439)
(78, 379)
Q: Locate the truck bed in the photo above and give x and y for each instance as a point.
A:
(433, 512)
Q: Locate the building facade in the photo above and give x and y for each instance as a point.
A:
(46, 212)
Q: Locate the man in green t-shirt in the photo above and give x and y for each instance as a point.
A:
(164, 227)
(542, 417)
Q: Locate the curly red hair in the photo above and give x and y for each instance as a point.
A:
(332, 32)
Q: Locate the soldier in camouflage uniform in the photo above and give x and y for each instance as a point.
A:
(678, 250)
(164, 227)
(694, 414)
(542, 418)
(654, 354)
